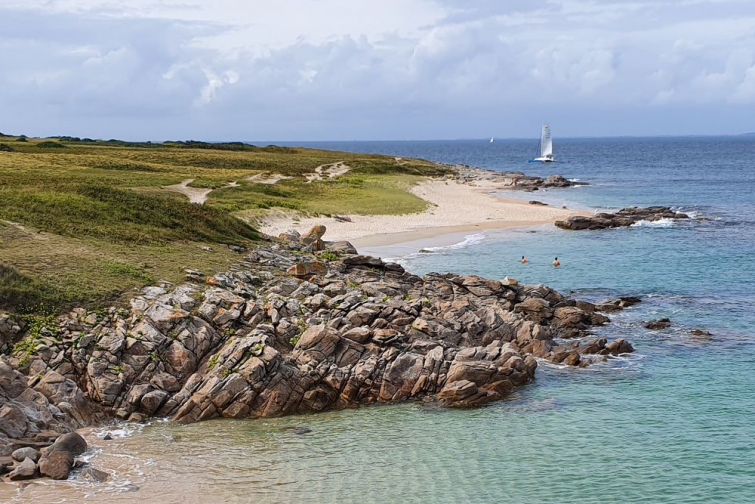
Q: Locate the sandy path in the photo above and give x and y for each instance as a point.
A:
(267, 178)
(331, 170)
(195, 195)
(455, 208)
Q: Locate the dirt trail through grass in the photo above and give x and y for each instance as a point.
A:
(194, 194)
(331, 170)
(267, 178)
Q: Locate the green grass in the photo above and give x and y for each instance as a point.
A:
(89, 222)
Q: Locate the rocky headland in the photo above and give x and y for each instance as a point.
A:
(300, 325)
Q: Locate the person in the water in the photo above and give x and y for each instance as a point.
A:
(524, 260)
(556, 262)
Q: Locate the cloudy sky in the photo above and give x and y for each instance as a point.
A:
(375, 69)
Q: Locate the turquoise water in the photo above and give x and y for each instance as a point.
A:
(673, 423)
(676, 422)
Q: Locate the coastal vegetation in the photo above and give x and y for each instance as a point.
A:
(87, 222)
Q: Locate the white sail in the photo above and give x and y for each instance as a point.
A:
(491, 139)
(546, 142)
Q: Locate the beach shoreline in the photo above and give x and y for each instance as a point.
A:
(454, 209)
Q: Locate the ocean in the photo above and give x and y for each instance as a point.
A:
(672, 423)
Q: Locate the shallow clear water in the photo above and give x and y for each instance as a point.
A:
(673, 423)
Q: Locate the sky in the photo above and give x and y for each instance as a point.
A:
(375, 69)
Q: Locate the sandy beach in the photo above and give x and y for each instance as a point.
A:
(455, 209)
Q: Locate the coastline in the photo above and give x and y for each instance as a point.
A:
(454, 209)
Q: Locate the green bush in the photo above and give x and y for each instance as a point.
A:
(5, 148)
(50, 145)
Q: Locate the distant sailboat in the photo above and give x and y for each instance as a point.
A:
(491, 139)
(545, 148)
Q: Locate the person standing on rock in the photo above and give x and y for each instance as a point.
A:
(556, 263)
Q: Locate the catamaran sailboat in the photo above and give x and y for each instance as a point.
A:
(545, 148)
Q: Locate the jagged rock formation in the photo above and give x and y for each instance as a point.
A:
(259, 342)
(623, 218)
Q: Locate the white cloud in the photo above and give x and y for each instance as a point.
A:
(365, 67)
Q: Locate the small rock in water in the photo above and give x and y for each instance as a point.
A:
(107, 437)
(700, 332)
(299, 429)
(94, 474)
(425, 251)
(662, 323)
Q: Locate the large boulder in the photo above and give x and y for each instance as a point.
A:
(71, 442)
(343, 247)
(56, 464)
(313, 238)
(290, 236)
(23, 453)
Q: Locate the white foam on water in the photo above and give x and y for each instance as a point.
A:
(468, 240)
(660, 223)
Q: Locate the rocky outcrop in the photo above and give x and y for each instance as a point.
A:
(510, 180)
(258, 342)
(623, 218)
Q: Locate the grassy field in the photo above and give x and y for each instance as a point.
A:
(88, 222)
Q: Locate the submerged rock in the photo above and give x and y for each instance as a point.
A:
(662, 323)
(700, 332)
(95, 475)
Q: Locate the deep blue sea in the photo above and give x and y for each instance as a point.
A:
(672, 423)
